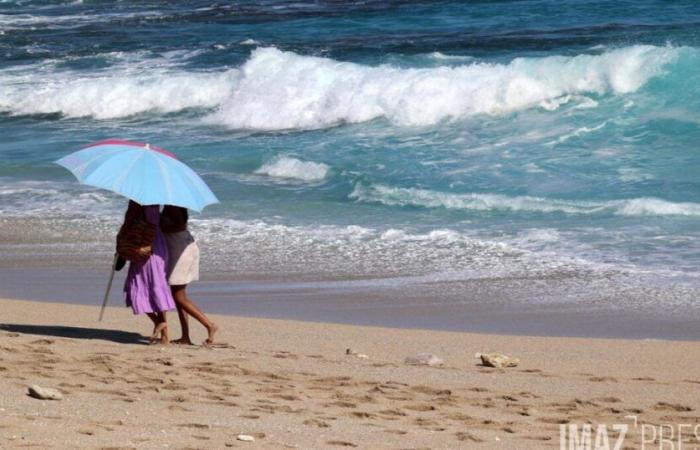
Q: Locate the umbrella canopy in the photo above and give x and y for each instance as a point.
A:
(143, 173)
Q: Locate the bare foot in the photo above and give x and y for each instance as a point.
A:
(183, 341)
(162, 329)
(212, 331)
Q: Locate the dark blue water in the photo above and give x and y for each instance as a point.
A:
(446, 142)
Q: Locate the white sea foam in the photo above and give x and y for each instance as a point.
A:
(277, 90)
(581, 131)
(437, 260)
(287, 167)
(394, 196)
(479, 202)
(657, 207)
(54, 199)
(107, 96)
(283, 90)
(444, 57)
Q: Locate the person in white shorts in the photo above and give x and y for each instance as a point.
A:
(183, 268)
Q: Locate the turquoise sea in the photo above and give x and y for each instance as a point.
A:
(542, 153)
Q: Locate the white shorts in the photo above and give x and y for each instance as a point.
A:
(183, 258)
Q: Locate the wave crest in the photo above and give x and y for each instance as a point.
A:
(283, 90)
(393, 196)
(277, 90)
(286, 167)
(118, 95)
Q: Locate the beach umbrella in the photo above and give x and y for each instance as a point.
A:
(143, 173)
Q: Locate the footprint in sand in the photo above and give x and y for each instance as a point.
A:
(392, 413)
(201, 426)
(478, 389)
(316, 423)
(393, 431)
(201, 438)
(342, 404)
(538, 438)
(527, 394)
(424, 422)
(458, 417)
(178, 408)
(421, 407)
(384, 365)
(607, 399)
(74, 386)
(427, 390)
(341, 443)
(466, 436)
(554, 420)
(663, 406)
(603, 379)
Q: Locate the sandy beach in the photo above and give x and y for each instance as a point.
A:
(366, 182)
(291, 384)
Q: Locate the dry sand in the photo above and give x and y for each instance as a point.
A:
(291, 385)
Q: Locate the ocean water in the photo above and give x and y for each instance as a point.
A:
(549, 150)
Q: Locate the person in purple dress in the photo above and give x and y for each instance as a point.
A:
(146, 288)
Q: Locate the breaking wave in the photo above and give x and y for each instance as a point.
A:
(275, 90)
(393, 196)
(286, 167)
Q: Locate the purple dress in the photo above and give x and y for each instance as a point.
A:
(146, 289)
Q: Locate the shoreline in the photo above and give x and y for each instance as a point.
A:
(363, 303)
(50, 260)
(289, 384)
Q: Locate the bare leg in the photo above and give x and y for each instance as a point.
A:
(188, 307)
(184, 326)
(164, 335)
(160, 327)
(154, 319)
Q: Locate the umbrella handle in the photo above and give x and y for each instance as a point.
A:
(109, 286)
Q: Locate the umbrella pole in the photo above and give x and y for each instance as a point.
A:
(109, 286)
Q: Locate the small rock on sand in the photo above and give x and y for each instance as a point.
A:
(245, 438)
(44, 393)
(352, 352)
(497, 360)
(424, 359)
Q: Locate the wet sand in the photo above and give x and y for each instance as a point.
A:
(290, 384)
(358, 302)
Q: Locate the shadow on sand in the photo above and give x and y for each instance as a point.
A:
(121, 337)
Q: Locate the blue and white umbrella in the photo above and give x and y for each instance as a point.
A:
(143, 173)
(148, 175)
